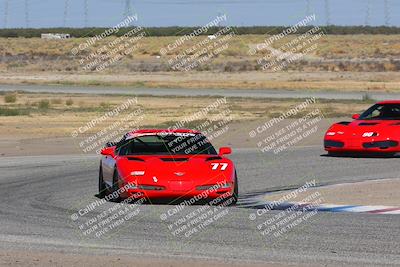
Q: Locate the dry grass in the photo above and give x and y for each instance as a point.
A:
(61, 119)
(345, 62)
(55, 55)
(339, 81)
(330, 46)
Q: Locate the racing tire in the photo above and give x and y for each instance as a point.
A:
(235, 192)
(115, 187)
(102, 186)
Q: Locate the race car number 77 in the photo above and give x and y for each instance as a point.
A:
(216, 165)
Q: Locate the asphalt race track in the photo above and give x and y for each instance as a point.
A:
(39, 194)
(251, 93)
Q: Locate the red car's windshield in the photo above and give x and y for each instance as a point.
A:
(169, 144)
(382, 112)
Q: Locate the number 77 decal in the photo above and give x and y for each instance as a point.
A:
(216, 165)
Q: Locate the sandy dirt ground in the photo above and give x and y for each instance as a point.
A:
(47, 259)
(377, 192)
(26, 144)
(342, 81)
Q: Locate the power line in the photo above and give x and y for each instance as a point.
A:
(86, 12)
(327, 13)
(308, 7)
(387, 12)
(6, 13)
(66, 9)
(368, 13)
(219, 22)
(128, 8)
(27, 13)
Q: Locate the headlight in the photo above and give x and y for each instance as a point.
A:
(330, 133)
(226, 185)
(370, 134)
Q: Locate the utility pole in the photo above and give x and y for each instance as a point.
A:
(66, 9)
(6, 13)
(308, 7)
(128, 8)
(27, 13)
(387, 13)
(368, 13)
(86, 12)
(327, 13)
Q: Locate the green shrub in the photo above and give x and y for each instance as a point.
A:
(10, 98)
(104, 105)
(13, 112)
(69, 102)
(44, 104)
(56, 101)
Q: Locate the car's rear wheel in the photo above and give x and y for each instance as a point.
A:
(102, 186)
(115, 187)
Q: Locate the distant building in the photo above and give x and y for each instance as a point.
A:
(55, 36)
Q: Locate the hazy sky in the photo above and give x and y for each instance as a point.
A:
(51, 13)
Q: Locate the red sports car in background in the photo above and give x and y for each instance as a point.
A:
(377, 130)
(167, 164)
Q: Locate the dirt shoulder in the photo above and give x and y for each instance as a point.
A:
(375, 192)
(23, 143)
(28, 258)
(293, 80)
(45, 124)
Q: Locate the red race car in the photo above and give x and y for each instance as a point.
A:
(167, 164)
(377, 130)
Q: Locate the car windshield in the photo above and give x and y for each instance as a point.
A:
(167, 144)
(382, 112)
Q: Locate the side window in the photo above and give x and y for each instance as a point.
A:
(376, 113)
(122, 147)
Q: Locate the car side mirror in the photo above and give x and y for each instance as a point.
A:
(110, 144)
(355, 116)
(225, 151)
(107, 151)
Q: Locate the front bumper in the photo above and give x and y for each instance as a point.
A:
(174, 194)
(357, 145)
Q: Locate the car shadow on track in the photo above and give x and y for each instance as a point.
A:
(361, 155)
(164, 201)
